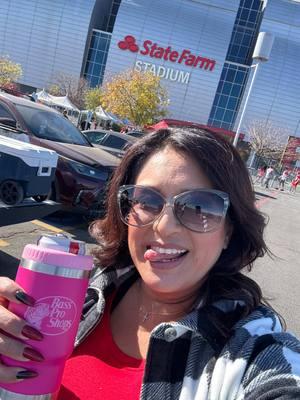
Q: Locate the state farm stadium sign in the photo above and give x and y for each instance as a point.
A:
(155, 51)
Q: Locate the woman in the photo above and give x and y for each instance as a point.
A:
(260, 174)
(282, 179)
(178, 318)
(295, 182)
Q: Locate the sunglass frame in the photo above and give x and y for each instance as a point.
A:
(171, 203)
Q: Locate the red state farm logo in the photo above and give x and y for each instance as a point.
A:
(154, 50)
(128, 44)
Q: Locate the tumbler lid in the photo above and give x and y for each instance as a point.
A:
(56, 257)
(62, 242)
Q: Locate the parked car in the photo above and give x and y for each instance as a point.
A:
(136, 134)
(82, 170)
(111, 141)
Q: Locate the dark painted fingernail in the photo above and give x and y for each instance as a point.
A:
(24, 298)
(32, 354)
(26, 374)
(32, 333)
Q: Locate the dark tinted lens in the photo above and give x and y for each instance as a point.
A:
(139, 206)
(199, 211)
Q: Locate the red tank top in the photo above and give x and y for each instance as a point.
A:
(99, 370)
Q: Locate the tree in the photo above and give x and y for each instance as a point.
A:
(71, 86)
(92, 98)
(267, 140)
(137, 96)
(9, 71)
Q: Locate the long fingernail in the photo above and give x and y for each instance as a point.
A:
(26, 374)
(24, 298)
(32, 333)
(32, 354)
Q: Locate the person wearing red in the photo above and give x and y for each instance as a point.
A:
(295, 182)
(100, 369)
(260, 174)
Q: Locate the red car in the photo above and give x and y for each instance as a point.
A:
(82, 170)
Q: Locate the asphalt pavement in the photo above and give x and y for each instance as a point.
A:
(279, 276)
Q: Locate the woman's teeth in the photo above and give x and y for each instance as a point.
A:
(161, 250)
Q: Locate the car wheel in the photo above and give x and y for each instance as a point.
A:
(40, 198)
(11, 192)
(50, 196)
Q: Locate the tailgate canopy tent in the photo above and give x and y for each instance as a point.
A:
(56, 101)
(107, 116)
(64, 102)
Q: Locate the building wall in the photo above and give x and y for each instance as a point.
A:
(48, 37)
(203, 27)
(45, 37)
(275, 95)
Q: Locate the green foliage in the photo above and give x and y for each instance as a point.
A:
(9, 71)
(55, 90)
(92, 98)
(137, 96)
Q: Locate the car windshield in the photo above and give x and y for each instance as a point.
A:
(51, 126)
(95, 137)
(115, 141)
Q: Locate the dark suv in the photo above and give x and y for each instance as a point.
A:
(82, 170)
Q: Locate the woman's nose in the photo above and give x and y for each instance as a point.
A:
(167, 223)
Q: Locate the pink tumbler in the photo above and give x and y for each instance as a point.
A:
(55, 273)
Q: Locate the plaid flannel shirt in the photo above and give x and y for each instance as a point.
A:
(188, 360)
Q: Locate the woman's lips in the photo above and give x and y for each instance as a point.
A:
(162, 258)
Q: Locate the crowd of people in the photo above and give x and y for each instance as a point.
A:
(266, 174)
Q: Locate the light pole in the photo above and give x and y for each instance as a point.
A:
(261, 53)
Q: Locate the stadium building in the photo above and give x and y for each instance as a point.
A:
(201, 49)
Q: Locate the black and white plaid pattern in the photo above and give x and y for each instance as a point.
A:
(188, 360)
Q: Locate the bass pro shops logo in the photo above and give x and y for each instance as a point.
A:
(153, 50)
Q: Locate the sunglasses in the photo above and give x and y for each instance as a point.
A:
(199, 210)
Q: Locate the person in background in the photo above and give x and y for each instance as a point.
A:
(65, 114)
(124, 129)
(283, 178)
(84, 125)
(268, 176)
(169, 313)
(295, 182)
(260, 174)
(94, 123)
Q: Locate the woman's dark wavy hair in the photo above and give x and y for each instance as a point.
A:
(222, 164)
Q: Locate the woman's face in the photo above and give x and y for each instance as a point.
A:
(171, 173)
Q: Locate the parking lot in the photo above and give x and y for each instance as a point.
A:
(279, 277)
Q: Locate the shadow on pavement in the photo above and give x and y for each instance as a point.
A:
(265, 195)
(8, 265)
(74, 225)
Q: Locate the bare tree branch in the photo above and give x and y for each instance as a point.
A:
(266, 139)
(71, 86)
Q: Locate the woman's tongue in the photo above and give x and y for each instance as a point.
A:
(152, 255)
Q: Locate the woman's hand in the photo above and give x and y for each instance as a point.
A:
(12, 325)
